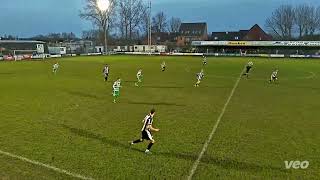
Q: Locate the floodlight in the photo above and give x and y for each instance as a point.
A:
(103, 5)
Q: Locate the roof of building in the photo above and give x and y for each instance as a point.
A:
(164, 36)
(239, 35)
(193, 29)
(257, 33)
(229, 36)
(20, 41)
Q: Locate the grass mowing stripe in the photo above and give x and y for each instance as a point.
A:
(205, 146)
(45, 165)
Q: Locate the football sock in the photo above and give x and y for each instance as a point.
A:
(150, 145)
(137, 141)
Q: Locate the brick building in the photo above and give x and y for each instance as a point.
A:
(189, 32)
(256, 33)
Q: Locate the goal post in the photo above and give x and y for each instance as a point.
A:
(23, 54)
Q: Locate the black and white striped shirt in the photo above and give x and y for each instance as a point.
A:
(106, 70)
(147, 121)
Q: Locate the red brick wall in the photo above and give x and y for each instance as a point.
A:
(257, 34)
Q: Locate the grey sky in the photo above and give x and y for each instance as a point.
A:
(31, 17)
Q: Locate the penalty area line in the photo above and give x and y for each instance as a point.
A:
(205, 146)
(61, 171)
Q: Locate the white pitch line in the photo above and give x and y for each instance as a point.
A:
(46, 166)
(205, 146)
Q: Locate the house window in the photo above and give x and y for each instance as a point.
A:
(216, 38)
(236, 38)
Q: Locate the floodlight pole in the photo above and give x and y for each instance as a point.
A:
(105, 39)
(150, 27)
(105, 8)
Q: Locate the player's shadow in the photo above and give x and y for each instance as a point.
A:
(163, 87)
(305, 87)
(156, 104)
(99, 137)
(128, 81)
(225, 163)
(217, 87)
(82, 94)
(6, 73)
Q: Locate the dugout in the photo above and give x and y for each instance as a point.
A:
(17, 47)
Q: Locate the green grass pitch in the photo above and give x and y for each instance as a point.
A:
(69, 120)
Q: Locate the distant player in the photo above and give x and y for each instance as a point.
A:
(199, 78)
(248, 68)
(146, 131)
(55, 68)
(274, 76)
(139, 77)
(105, 72)
(116, 90)
(163, 66)
(204, 60)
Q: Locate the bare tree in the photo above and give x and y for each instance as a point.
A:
(92, 35)
(144, 27)
(130, 17)
(68, 36)
(281, 22)
(301, 18)
(307, 18)
(318, 18)
(174, 25)
(159, 22)
(100, 18)
(312, 20)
